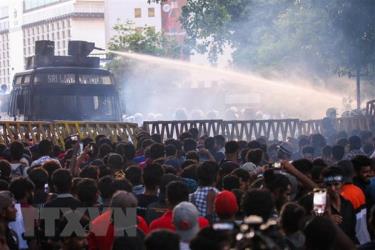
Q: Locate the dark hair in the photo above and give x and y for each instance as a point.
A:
(360, 161)
(20, 186)
(104, 149)
(170, 150)
(219, 140)
(209, 143)
(16, 150)
(347, 168)
(291, 217)
(45, 147)
(206, 173)
(255, 156)
(89, 172)
(152, 175)
(157, 138)
(134, 175)
(368, 148)
(355, 142)
(194, 133)
(39, 177)
(242, 174)
(303, 165)
(192, 155)
(162, 239)
(62, 180)
(5, 170)
(187, 163)
(275, 181)
(189, 144)
(320, 234)
(87, 191)
(338, 152)
(190, 172)
(230, 182)
(327, 151)
(254, 144)
(4, 185)
(308, 150)
(177, 192)
(165, 180)
(122, 184)
(258, 202)
(210, 239)
(156, 151)
(231, 147)
(106, 187)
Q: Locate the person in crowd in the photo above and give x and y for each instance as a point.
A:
(355, 145)
(8, 213)
(134, 175)
(159, 207)
(203, 197)
(45, 148)
(219, 142)
(151, 178)
(291, 221)
(177, 192)
(338, 153)
(362, 167)
(162, 239)
(342, 210)
(106, 190)
(62, 183)
(39, 177)
(226, 206)
(103, 228)
(357, 198)
(18, 163)
(231, 152)
(185, 218)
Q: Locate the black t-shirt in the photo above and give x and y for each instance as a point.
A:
(348, 218)
(143, 202)
(12, 240)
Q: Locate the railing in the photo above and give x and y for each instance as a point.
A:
(57, 131)
(240, 130)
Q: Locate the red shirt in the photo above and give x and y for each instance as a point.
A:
(165, 222)
(353, 194)
(102, 235)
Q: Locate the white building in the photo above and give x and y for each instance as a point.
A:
(138, 12)
(22, 22)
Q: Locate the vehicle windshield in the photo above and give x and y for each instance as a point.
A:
(75, 107)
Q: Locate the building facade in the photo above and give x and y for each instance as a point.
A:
(138, 12)
(22, 22)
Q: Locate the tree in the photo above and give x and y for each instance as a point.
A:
(138, 80)
(139, 40)
(318, 35)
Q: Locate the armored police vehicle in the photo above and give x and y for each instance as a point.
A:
(72, 87)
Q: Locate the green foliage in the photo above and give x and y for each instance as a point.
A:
(139, 40)
(319, 35)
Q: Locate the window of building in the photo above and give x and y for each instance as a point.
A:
(151, 12)
(137, 12)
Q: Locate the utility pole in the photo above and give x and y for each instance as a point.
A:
(358, 88)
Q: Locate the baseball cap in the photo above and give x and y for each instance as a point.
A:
(225, 203)
(185, 218)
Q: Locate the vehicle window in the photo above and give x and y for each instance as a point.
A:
(19, 80)
(94, 79)
(26, 79)
(55, 78)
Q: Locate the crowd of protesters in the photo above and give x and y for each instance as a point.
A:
(195, 192)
